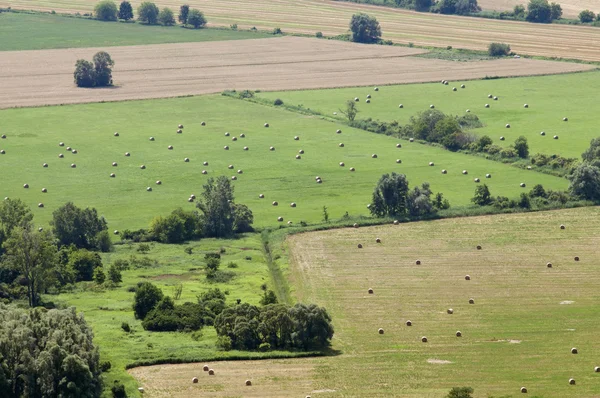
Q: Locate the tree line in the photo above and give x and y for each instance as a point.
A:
(149, 13)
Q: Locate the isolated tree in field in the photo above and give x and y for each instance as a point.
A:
(103, 64)
(148, 13)
(539, 11)
(33, 255)
(390, 196)
(183, 14)
(166, 17)
(365, 29)
(586, 16)
(106, 10)
(350, 111)
(498, 49)
(482, 196)
(73, 225)
(522, 147)
(146, 297)
(585, 182)
(84, 74)
(196, 18)
(125, 11)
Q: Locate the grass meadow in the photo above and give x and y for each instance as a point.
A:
(519, 332)
(21, 31)
(34, 134)
(550, 98)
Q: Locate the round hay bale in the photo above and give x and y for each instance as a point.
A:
(450, 311)
(352, 169)
(225, 148)
(45, 165)
(523, 390)
(408, 323)
(562, 226)
(377, 240)
(275, 203)
(458, 333)
(233, 138)
(114, 164)
(574, 350)
(296, 138)
(116, 134)
(453, 88)
(396, 222)
(40, 204)
(170, 147)
(74, 151)
(502, 138)
(205, 163)
(597, 369)
(446, 82)
(242, 135)
(193, 196)
(400, 106)
(411, 139)
(572, 382)
(69, 148)
(180, 126)
(468, 111)
(158, 182)
(355, 225)
(565, 119)
(179, 131)
(230, 167)
(356, 99)
(431, 164)
(370, 291)
(186, 160)
(338, 131)
(3, 136)
(462, 86)
(522, 185)
(248, 383)
(149, 189)
(151, 138)
(376, 89)
(478, 247)
(549, 265)
(444, 171)
(341, 144)
(471, 301)
(266, 124)
(342, 164)
(380, 331)
(476, 180)
(40, 229)
(319, 181)
(61, 144)
(143, 167)
(202, 123)
(141, 389)
(204, 172)
(398, 161)
(298, 157)
(368, 96)
(398, 145)
(507, 125)
(467, 277)
(301, 151)
(495, 98)
(369, 206)
(245, 148)
(431, 106)
(73, 165)
(576, 258)
(360, 245)
(116, 232)
(424, 339)
(289, 223)
(272, 148)
(2, 151)
(240, 171)
(418, 262)
(490, 96)
(528, 167)
(465, 172)
(279, 219)
(44, 190)
(293, 204)
(487, 105)
(112, 175)
(488, 176)
(211, 372)
(194, 380)
(190, 200)
(374, 156)
(226, 134)
(555, 137)
(525, 106)
(542, 133)
(233, 178)
(368, 101)
(60, 155)
(262, 196)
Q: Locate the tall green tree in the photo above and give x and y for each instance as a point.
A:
(350, 111)
(103, 64)
(76, 226)
(146, 298)
(365, 29)
(166, 17)
(585, 182)
(592, 154)
(125, 11)
(390, 196)
(34, 255)
(539, 11)
(183, 14)
(555, 11)
(13, 213)
(482, 196)
(196, 18)
(84, 74)
(522, 147)
(106, 10)
(148, 13)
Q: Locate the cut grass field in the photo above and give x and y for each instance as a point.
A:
(550, 98)
(34, 134)
(525, 319)
(21, 31)
(400, 26)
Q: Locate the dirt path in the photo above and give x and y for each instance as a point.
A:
(31, 78)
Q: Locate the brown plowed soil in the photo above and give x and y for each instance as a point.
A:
(31, 78)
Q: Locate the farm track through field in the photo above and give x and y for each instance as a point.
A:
(45, 77)
(401, 26)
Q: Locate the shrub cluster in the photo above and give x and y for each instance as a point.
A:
(537, 197)
(97, 73)
(498, 49)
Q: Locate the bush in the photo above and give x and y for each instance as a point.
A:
(178, 227)
(521, 147)
(183, 14)
(94, 74)
(482, 196)
(196, 18)
(167, 317)
(148, 13)
(166, 17)
(277, 31)
(114, 274)
(508, 153)
(224, 343)
(126, 328)
(146, 298)
(103, 242)
(105, 366)
(319, 35)
(99, 276)
(269, 297)
(106, 10)
(84, 73)
(586, 16)
(460, 392)
(498, 49)
(365, 29)
(125, 11)
(83, 264)
(519, 11)
(278, 102)
(118, 390)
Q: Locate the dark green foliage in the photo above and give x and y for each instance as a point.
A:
(178, 227)
(446, 7)
(13, 213)
(269, 297)
(538, 191)
(539, 11)
(482, 196)
(524, 201)
(118, 390)
(592, 154)
(365, 29)
(146, 298)
(242, 218)
(183, 14)
(148, 13)
(278, 102)
(103, 64)
(319, 35)
(140, 235)
(277, 31)
(423, 5)
(419, 201)
(72, 225)
(106, 10)
(47, 354)
(586, 16)
(103, 242)
(585, 182)
(82, 264)
(125, 11)
(555, 11)
(460, 392)
(464, 7)
(519, 11)
(521, 147)
(166, 17)
(196, 19)
(498, 49)
(351, 110)
(508, 153)
(126, 328)
(390, 196)
(481, 143)
(105, 366)
(84, 73)
(99, 276)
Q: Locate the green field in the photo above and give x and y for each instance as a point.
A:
(33, 136)
(519, 332)
(20, 31)
(550, 98)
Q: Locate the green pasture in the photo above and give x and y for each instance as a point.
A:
(519, 332)
(34, 134)
(550, 98)
(20, 31)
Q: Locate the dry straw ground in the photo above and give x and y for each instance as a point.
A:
(45, 77)
(571, 8)
(402, 26)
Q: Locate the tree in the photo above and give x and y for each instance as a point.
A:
(419, 201)
(125, 11)
(218, 217)
(146, 297)
(446, 6)
(482, 142)
(365, 29)
(33, 254)
(390, 196)
(76, 226)
(498, 49)
(585, 182)
(586, 16)
(183, 13)
(103, 64)
(482, 196)
(539, 11)
(555, 11)
(106, 10)
(447, 126)
(592, 154)
(350, 111)
(82, 264)
(460, 392)
(178, 227)
(519, 11)
(166, 17)
(522, 147)
(13, 213)
(99, 276)
(464, 7)
(242, 218)
(423, 5)
(196, 18)
(114, 274)
(148, 13)
(84, 73)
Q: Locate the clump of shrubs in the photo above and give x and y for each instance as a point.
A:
(498, 49)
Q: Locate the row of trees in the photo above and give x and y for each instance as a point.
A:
(148, 13)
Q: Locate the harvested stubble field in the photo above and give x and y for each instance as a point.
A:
(571, 8)
(519, 331)
(168, 70)
(401, 26)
